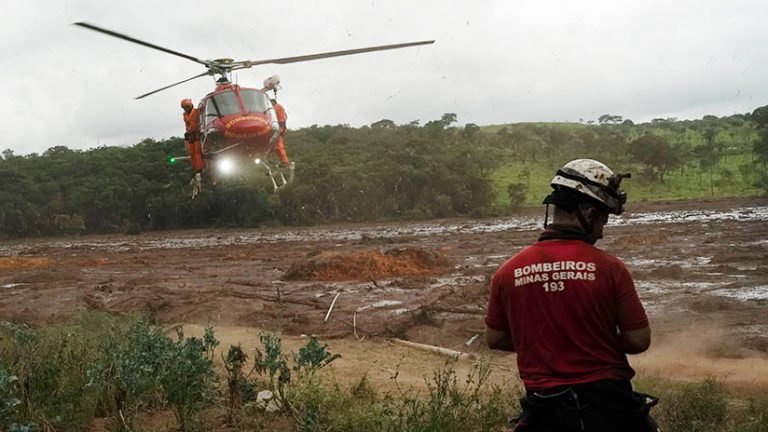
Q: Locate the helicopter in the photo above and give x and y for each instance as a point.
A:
(238, 126)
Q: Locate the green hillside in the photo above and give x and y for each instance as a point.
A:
(708, 158)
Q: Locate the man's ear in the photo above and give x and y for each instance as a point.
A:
(593, 213)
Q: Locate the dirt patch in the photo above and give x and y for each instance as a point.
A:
(16, 263)
(646, 239)
(368, 264)
(673, 271)
(712, 304)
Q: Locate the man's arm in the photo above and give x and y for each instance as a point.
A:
(635, 341)
(631, 316)
(498, 340)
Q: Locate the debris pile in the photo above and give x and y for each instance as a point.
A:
(368, 265)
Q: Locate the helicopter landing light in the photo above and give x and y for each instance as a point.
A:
(226, 166)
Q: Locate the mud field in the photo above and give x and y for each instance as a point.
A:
(701, 270)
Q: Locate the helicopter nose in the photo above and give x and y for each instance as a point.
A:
(247, 126)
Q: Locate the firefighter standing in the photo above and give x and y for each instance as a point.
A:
(571, 312)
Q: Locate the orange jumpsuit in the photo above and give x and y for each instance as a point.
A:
(281, 119)
(192, 138)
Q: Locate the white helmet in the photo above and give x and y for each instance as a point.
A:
(594, 179)
(272, 83)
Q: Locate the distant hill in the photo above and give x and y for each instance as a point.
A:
(381, 172)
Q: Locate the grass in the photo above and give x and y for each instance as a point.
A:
(55, 379)
(728, 179)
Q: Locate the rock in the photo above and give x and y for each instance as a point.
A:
(265, 400)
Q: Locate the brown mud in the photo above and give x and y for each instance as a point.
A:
(701, 269)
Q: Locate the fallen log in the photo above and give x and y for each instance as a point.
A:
(277, 299)
(326, 336)
(436, 349)
(456, 310)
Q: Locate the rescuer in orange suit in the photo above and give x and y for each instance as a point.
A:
(192, 139)
(282, 117)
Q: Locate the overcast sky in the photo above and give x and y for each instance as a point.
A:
(493, 62)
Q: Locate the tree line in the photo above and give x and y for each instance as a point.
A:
(383, 171)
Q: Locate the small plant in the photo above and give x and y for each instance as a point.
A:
(313, 357)
(233, 364)
(188, 379)
(302, 396)
(127, 372)
(363, 389)
(9, 404)
(272, 362)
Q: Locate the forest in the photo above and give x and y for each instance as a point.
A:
(384, 171)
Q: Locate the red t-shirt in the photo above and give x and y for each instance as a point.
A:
(562, 302)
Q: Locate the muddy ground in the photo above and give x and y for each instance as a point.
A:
(701, 269)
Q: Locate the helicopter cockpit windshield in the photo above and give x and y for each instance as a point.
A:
(254, 101)
(225, 103)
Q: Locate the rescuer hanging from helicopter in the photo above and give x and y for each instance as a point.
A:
(282, 117)
(192, 140)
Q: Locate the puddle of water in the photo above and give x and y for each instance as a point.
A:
(14, 285)
(644, 263)
(744, 294)
(380, 304)
(651, 287)
(641, 262)
(740, 214)
(454, 280)
(699, 286)
(703, 260)
(675, 287)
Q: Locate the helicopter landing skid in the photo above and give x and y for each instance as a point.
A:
(277, 175)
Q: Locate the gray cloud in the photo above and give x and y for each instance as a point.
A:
(494, 62)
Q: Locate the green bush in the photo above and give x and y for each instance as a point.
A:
(64, 377)
(127, 373)
(51, 367)
(188, 379)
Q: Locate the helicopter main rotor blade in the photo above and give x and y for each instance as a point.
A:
(136, 41)
(309, 57)
(172, 85)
